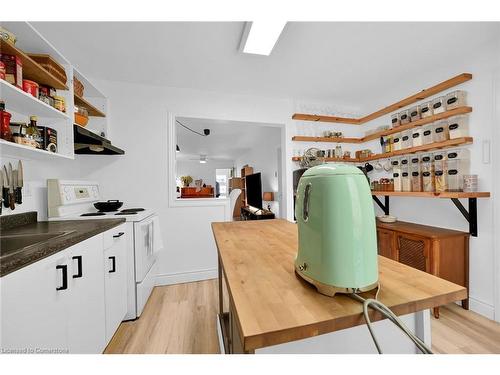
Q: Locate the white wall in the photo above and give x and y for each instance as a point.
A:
(205, 171)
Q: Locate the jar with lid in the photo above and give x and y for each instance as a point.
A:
(440, 180)
(60, 103)
(427, 131)
(44, 96)
(5, 117)
(458, 127)
(338, 151)
(396, 142)
(426, 109)
(404, 117)
(416, 177)
(406, 139)
(457, 165)
(440, 131)
(33, 133)
(455, 99)
(389, 143)
(405, 174)
(395, 120)
(396, 174)
(427, 171)
(417, 136)
(415, 113)
(438, 105)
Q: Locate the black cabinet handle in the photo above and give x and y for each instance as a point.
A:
(64, 269)
(119, 234)
(113, 268)
(80, 271)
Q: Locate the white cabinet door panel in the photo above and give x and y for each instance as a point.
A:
(86, 329)
(33, 312)
(115, 280)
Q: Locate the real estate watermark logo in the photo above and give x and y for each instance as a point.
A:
(34, 351)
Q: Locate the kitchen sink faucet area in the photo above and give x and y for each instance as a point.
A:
(239, 179)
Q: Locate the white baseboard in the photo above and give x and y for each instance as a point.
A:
(185, 277)
(482, 308)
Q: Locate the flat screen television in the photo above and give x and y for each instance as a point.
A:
(253, 188)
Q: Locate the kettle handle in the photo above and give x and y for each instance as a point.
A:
(305, 203)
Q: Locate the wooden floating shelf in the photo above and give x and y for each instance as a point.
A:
(426, 93)
(421, 194)
(432, 146)
(421, 122)
(327, 139)
(93, 111)
(31, 69)
(383, 133)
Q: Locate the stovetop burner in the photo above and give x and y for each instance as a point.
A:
(93, 214)
(132, 210)
(126, 213)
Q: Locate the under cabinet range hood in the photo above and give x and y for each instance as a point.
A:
(89, 143)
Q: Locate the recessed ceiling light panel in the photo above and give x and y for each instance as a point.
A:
(260, 37)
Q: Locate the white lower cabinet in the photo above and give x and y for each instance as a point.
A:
(115, 279)
(86, 309)
(67, 302)
(33, 311)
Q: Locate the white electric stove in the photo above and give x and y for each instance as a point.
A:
(74, 200)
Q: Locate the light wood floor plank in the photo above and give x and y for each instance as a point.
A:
(181, 319)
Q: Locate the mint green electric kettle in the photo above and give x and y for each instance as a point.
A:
(337, 232)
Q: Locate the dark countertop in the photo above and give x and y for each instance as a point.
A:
(77, 231)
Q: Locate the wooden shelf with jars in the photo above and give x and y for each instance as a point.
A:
(384, 133)
(432, 146)
(426, 93)
(93, 111)
(31, 69)
(433, 194)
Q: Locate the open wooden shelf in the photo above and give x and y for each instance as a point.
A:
(432, 146)
(93, 111)
(445, 85)
(299, 138)
(31, 69)
(345, 160)
(383, 133)
(422, 194)
(421, 122)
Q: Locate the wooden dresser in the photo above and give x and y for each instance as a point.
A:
(439, 251)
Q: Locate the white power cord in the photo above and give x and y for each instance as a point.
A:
(385, 311)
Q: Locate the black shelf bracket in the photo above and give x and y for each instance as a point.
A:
(384, 206)
(470, 216)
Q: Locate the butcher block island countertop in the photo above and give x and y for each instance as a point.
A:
(271, 305)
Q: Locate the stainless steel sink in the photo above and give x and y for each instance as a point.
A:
(12, 244)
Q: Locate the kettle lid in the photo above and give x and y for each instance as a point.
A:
(332, 170)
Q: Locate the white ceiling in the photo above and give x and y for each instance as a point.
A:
(311, 60)
(228, 140)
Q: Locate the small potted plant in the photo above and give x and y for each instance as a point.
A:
(186, 180)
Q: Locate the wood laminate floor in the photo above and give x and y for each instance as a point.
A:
(181, 319)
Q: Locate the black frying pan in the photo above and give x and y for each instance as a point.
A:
(110, 205)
